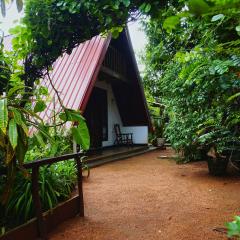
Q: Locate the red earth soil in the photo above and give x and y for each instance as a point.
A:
(147, 197)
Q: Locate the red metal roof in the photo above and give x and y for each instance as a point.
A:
(74, 75)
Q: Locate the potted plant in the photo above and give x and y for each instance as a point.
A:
(217, 162)
(220, 143)
(159, 139)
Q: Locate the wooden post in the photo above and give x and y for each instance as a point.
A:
(80, 188)
(37, 203)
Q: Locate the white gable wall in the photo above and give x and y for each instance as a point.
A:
(140, 133)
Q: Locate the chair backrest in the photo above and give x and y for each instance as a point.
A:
(117, 129)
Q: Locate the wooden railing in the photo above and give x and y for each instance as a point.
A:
(35, 166)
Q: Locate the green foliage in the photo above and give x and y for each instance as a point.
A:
(51, 27)
(61, 144)
(80, 133)
(234, 228)
(56, 185)
(40, 106)
(13, 133)
(56, 181)
(14, 125)
(3, 115)
(48, 29)
(18, 114)
(193, 67)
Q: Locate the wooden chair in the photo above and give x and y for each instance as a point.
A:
(122, 138)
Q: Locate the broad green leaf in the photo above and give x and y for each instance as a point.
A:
(43, 90)
(22, 146)
(115, 31)
(13, 133)
(39, 139)
(14, 90)
(233, 97)
(145, 7)
(18, 118)
(116, 5)
(43, 130)
(233, 228)
(126, 2)
(9, 154)
(31, 113)
(217, 17)
(238, 28)
(148, 8)
(81, 135)
(3, 115)
(198, 7)
(171, 22)
(40, 106)
(71, 115)
(63, 116)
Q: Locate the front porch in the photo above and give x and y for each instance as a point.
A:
(116, 98)
(115, 153)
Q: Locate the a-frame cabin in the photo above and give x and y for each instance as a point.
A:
(101, 78)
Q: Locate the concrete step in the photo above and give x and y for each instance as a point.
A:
(98, 161)
(104, 155)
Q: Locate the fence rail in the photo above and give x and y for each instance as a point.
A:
(35, 166)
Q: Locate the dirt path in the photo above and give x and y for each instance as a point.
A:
(150, 198)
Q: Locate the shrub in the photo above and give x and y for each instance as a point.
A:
(196, 77)
(234, 228)
(57, 181)
(56, 185)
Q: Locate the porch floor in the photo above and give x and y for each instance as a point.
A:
(114, 153)
(151, 197)
(112, 150)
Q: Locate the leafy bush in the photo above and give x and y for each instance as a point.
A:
(201, 115)
(234, 228)
(56, 185)
(196, 77)
(57, 181)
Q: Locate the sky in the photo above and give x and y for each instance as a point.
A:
(138, 37)
(139, 40)
(11, 19)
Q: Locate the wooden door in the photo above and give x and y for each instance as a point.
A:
(96, 116)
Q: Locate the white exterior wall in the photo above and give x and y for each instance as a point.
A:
(140, 133)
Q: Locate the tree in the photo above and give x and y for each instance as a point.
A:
(193, 60)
